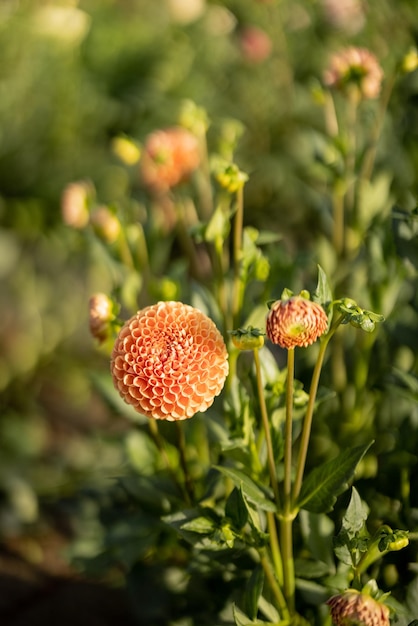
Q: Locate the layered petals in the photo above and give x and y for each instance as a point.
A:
(169, 361)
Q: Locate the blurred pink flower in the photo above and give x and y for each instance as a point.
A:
(169, 361)
(353, 608)
(255, 44)
(100, 316)
(295, 322)
(169, 157)
(356, 70)
(346, 15)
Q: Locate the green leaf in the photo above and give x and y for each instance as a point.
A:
(201, 525)
(323, 293)
(322, 486)
(236, 509)
(355, 515)
(253, 591)
(239, 617)
(249, 488)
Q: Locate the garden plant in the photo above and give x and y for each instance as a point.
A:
(252, 308)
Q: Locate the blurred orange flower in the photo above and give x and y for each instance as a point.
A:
(169, 157)
(169, 361)
(353, 608)
(356, 70)
(296, 322)
(75, 201)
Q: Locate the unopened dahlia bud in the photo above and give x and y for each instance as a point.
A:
(105, 224)
(169, 158)
(169, 361)
(353, 608)
(296, 321)
(75, 201)
(247, 338)
(101, 314)
(355, 70)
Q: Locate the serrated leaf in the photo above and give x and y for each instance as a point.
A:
(325, 483)
(253, 591)
(249, 488)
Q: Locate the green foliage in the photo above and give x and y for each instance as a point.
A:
(299, 189)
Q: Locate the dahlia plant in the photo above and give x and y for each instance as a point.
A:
(207, 366)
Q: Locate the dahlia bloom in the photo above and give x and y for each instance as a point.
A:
(295, 322)
(353, 608)
(169, 361)
(169, 157)
(356, 69)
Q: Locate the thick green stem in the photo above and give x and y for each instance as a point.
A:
(275, 546)
(274, 586)
(286, 542)
(266, 426)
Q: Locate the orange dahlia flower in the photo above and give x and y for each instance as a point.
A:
(295, 322)
(353, 608)
(169, 157)
(169, 361)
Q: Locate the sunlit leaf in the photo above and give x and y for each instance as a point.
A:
(323, 485)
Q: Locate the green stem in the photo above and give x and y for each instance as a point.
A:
(370, 156)
(338, 231)
(307, 424)
(181, 442)
(266, 426)
(286, 520)
(274, 586)
(159, 443)
(288, 429)
(275, 547)
(286, 541)
(237, 255)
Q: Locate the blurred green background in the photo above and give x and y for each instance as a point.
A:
(75, 75)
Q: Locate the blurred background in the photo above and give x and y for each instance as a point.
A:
(73, 77)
